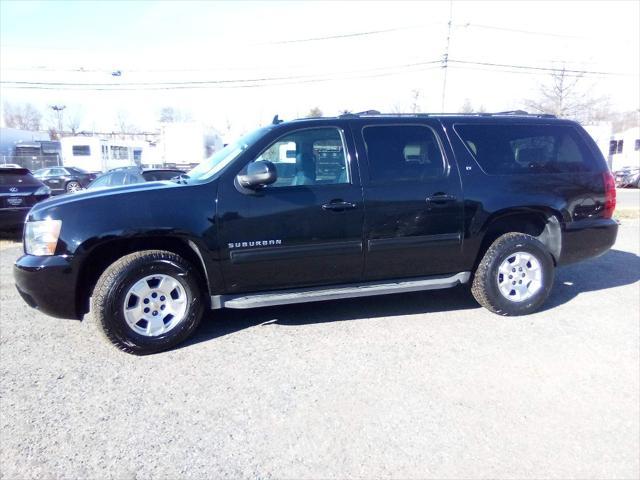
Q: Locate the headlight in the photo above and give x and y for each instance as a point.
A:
(41, 238)
(43, 190)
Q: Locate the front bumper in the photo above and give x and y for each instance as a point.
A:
(586, 239)
(48, 283)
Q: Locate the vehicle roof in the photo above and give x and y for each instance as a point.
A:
(516, 116)
(14, 170)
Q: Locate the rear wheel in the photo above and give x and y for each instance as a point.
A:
(148, 301)
(515, 275)
(73, 186)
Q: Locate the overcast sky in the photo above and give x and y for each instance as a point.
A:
(275, 57)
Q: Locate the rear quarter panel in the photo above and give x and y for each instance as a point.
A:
(570, 197)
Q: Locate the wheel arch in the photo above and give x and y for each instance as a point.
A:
(99, 257)
(539, 222)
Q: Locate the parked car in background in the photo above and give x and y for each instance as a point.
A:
(131, 175)
(19, 191)
(628, 177)
(64, 179)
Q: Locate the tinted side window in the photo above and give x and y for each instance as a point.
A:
(102, 181)
(517, 149)
(308, 157)
(117, 178)
(9, 178)
(399, 153)
(160, 175)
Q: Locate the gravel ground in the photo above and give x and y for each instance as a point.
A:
(423, 385)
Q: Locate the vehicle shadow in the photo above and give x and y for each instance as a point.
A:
(615, 268)
(223, 322)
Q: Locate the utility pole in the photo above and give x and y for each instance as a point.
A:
(445, 57)
(58, 109)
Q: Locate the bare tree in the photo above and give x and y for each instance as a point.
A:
(315, 112)
(173, 115)
(565, 96)
(466, 106)
(123, 124)
(74, 121)
(23, 116)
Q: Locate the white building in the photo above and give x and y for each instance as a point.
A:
(624, 149)
(96, 154)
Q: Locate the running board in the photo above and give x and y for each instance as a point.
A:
(298, 295)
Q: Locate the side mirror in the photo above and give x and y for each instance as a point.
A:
(259, 174)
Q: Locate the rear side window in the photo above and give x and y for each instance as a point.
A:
(402, 153)
(160, 175)
(518, 149)
(17, 179)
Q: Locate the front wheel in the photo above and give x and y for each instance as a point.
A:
(515, 275)
(148, 301)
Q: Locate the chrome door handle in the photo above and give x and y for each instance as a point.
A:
(339, 206)
(439, 200)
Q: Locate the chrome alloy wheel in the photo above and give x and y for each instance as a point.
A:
(519, 276)
(155, 305)
(73, 187)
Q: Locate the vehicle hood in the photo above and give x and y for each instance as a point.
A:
(101, 193)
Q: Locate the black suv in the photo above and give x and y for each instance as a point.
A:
(321, 209)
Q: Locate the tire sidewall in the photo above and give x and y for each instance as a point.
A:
(114, 313)
(506, 249)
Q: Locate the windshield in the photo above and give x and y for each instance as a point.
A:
(216, 162)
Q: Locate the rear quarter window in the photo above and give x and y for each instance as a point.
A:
(17, 179)
(527, 149)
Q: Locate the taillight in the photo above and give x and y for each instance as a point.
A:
(609, 195)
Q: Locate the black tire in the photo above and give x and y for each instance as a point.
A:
(485, 286)
(107, 302)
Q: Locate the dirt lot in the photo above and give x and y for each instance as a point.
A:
(423, 385)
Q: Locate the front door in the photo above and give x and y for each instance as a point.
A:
(303, 230)
(413, 200)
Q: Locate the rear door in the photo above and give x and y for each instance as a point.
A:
(305, 229)
(413, 200)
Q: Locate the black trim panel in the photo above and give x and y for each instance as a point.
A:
(297, 251)
(379, 244)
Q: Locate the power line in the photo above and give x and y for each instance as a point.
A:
(215, 82)
(303, 79)
(517, 30)
(547, 69)
(347, 35)
(184, 86)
